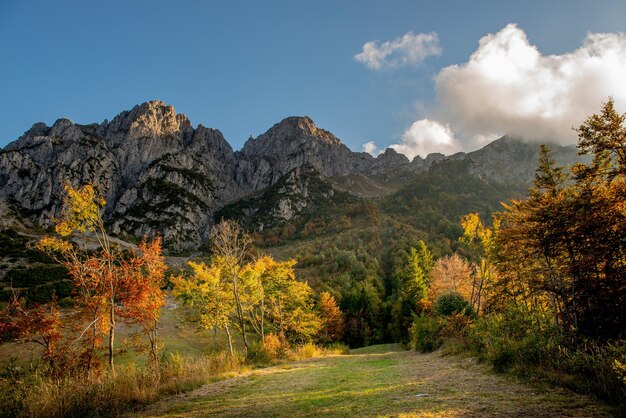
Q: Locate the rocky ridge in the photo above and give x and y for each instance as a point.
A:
(158, 174)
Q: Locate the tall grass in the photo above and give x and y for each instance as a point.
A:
(105, 395)
(35, 394)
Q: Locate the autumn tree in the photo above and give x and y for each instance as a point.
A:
(564, 247)
(531, 259)
(332, 322)
(210, 297)
(38, 324)
(451, 274)
(481, 243)
(268, 297)
(286, 302)
(233, 245)
(107, 280)
(142, 291)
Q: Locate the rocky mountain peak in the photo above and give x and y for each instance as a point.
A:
(38, 129)
(66, 129)
(290, 131)
(391, 154)
(148, 120)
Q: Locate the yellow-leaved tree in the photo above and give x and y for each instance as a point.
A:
(209, 295)
(236, 291)
(481, 242)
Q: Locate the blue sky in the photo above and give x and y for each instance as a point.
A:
(241, 66)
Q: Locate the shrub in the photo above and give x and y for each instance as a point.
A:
(524, 342)
(257, 354)
(274, 346)
(426, 333)
(305, 351)
(453, 303)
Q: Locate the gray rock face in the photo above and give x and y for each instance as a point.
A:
(157, 174)
(160, 175)
(511, 160)
(295, 142)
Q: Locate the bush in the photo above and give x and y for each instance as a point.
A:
(305, 351)
(426, 333)
(525, 342)
(275, 346)
(453, 303)
(516, 335)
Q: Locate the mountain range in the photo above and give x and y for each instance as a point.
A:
(161, 175)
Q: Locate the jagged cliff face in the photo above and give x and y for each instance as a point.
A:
(160, 175)
(156, 172)
(295, 142)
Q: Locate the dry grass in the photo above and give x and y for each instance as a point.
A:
(131, 388)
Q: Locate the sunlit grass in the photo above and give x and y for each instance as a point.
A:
(377, 381)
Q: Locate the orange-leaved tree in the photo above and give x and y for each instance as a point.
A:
(38, 324)
(143, 276)
(107, 281)
(332, 326)
(451, 274)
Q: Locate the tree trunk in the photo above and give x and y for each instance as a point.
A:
(230, 342)
(111, 336)
(94, 335)
(240, 313)
(262, 318)
(153, 335)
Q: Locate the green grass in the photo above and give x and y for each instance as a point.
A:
(376, 381)
(378, 349)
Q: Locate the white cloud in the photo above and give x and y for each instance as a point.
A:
(426, 136)
(509, 87)
(371, 148)
(409, 49)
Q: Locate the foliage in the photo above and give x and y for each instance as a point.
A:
(275, 346)
(209, 296)
(527, 343)
(450, 274)
(261, 294)
(332, 328)
(142, 293)
(412, 289)
(549, 274)
(564, 247)
(452, 303)
(109, 283)
(426, 333)
(481, 243)
(38, 324)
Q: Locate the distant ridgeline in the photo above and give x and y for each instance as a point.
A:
(303, 193)
(158, 174)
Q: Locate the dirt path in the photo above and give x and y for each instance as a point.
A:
(393, 383)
